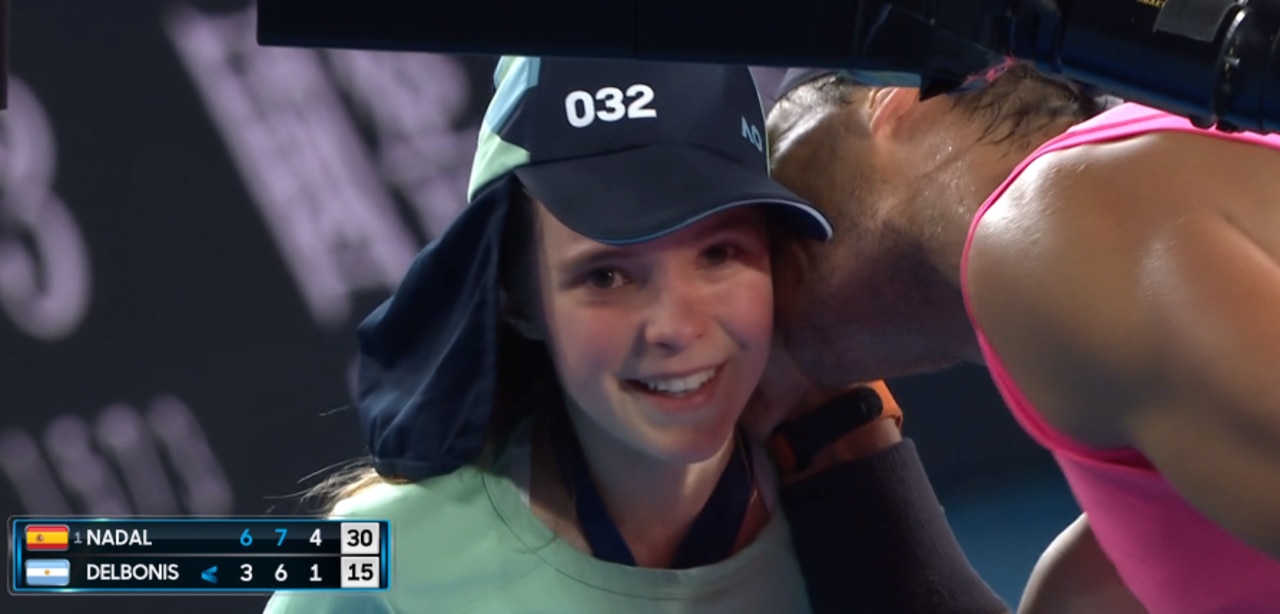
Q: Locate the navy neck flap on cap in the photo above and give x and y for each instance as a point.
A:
(428, 355)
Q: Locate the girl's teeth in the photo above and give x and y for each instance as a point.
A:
(680, 385)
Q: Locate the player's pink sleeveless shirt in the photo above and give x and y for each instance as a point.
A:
(1173, 558)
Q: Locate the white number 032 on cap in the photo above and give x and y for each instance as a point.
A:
(609, 104)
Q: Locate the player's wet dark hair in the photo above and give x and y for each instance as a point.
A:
(1014, 101)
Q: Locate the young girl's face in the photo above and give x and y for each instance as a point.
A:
(659, 345)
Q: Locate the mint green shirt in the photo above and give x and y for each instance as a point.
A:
(468, 542)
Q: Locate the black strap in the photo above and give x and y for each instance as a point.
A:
(810, 433)
(711, 537)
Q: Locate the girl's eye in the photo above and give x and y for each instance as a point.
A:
(604, 279)
(720, 253)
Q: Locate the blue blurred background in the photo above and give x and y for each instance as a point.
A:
(190, 228)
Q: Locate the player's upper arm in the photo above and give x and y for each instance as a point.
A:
(1074, 576)
(1143, 293)
(1211, 416)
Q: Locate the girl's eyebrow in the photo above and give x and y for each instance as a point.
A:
(587, 252)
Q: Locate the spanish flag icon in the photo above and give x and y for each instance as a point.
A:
(47, 537)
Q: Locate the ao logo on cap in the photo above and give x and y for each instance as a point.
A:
(607, 105)
(752, 134)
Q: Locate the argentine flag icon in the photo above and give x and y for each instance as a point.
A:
(48, 572)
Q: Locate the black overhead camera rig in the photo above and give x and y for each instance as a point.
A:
(1214, 61)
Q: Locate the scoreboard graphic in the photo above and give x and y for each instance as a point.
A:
(197, 555)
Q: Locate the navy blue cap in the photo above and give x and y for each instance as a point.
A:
(624, 151)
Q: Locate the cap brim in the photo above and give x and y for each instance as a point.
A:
(641, 194)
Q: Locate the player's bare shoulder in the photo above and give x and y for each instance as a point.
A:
(1053, 269)
(1061, 265)
(1108, 204)
(1238, 181)
(1165, 179)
